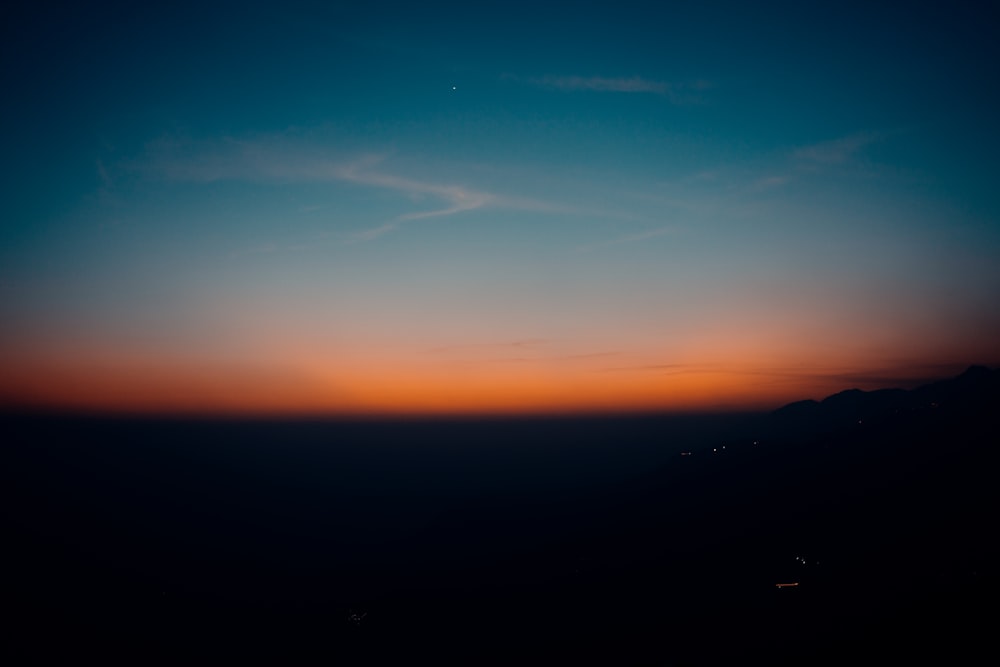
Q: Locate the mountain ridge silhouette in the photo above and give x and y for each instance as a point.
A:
(974, 387)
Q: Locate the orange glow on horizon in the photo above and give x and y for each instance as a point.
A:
(285, 373)
(140, 386)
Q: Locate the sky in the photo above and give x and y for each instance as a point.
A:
(517, 208)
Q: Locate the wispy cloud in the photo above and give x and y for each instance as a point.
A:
(521, 343)
(524, 351)
(271, 161)
(457, 198)
(904, 374)
(633, 84)
(670, 369)
(836, 151)
(279, 161)
(106, 182)
(783, 169)
(677, 93)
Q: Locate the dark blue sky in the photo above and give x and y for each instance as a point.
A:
(510, 206)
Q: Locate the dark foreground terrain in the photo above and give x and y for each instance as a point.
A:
(654, 540)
